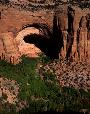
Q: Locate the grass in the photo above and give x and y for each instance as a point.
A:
(42, 95)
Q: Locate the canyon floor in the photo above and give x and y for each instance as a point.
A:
(39, 84)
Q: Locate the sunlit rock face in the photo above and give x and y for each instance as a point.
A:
(83, 39)
(12, 48)
(12, 20)
(27, 49)
(9, 48)
(2, 51)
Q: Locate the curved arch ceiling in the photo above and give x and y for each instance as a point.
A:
(25, 48)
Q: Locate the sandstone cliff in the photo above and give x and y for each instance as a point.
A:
(76, 37)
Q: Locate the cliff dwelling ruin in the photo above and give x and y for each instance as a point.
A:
(74, 24)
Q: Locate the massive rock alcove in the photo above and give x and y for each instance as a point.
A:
(67, 23)
(49, 42)
(27, 49)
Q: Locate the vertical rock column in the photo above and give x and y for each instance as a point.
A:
(63, 23)
(88, 35)
(64, 32)
(82, 41)
(0, 15)
(74, 46)
(2, 52)
(70, 37)
(11, 51)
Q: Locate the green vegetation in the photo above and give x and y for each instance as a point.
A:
(42, 94)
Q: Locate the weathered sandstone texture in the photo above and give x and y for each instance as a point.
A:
(12, 19)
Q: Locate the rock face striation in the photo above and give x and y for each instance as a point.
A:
(9, 48)
(83, 39)
(74, 23)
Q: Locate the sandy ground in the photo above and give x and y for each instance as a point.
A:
(9, 91)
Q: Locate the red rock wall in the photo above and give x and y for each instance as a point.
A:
(9, 49)
(12, 20)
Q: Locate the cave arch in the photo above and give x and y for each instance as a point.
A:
(27, 49)
(39, 29)
(49, 41)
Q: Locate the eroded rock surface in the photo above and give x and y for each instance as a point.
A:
(9, 91)
(13, 19)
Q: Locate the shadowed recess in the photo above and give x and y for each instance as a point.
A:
(50, 42)
(70, 37)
